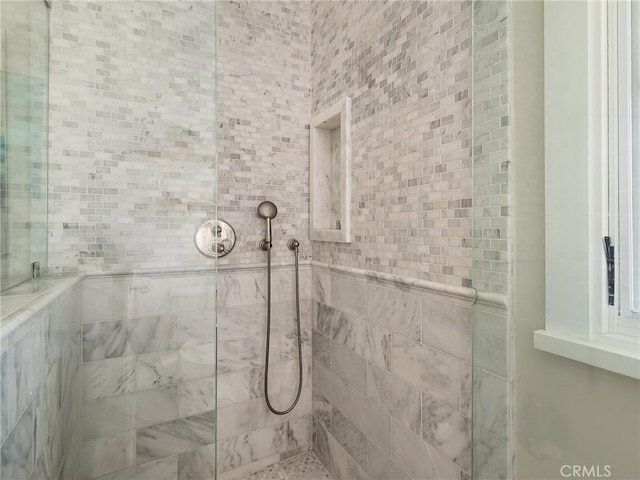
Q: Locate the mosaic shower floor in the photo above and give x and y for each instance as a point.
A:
(301, 467)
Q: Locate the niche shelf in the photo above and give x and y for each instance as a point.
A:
(330, 180)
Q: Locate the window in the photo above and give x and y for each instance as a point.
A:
(592, 184)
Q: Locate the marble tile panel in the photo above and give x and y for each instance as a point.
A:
(374, 422)
(234, 322)
(349, 437)
(176, 436)
(152, 334)
(394, 396)
(157, 369)
(283, 376)
(350, 367)
(249, 447)
(108, 415)
(156, 405)
(198, 464)
(355, 471)
(163, 469)
(236, 355)
(197, 326)
(22, 369)
(108, 454)
(283, 284)
(331, 387)
(366, 339)
(197, 361)
(447, 431)
(394, 309)
(17, 455)
(465, 389)
(106, 378)
(490, 342)
(326, 317)
(419, 458)
(321, 286)
(490, 403)
(491, 456)
(239, 386)
(299, 433)
(196, 396)
(431, 371)
(150, 297)
(70, 360)
(241, 289)
(447, 327)
(41, 422)
(322, 410)
(289, 344)
(8, 393)
(104, 299)
(331, 454)
(252, 415)
(320, 348)
(349, 294)
(380, 466)
(101, 340)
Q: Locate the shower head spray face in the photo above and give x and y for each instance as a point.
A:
(267, 210)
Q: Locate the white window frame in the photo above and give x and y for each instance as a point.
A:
(578, 125)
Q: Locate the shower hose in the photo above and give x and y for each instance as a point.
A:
(266, 363)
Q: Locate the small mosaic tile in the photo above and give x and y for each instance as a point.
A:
(302, 467)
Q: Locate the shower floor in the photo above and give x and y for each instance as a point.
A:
(301, 467)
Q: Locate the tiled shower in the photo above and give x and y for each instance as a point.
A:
(164, 114)
(135, 357)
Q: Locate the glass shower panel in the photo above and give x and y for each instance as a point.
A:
(133, 158)
(492, 330)
(24, 49)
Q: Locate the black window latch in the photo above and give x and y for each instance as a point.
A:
(611, 268)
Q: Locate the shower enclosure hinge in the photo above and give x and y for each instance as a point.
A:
(611, 268)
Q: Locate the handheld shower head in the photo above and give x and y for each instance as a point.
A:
(267, 210)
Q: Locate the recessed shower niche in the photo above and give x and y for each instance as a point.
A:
(331, 174)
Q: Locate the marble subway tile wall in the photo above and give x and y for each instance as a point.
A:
(149, 351)
(263, 116)
(391, 376)
(132, 133)
(249, 435)
(41, 391)
(407, 68)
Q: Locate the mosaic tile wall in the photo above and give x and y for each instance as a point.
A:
(41, 393)
(132, 133)
(264, 104)
(392, 379)
(406, 66)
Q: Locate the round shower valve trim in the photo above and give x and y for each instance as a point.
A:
(215, 238)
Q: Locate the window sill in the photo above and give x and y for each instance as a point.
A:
(589, 352)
